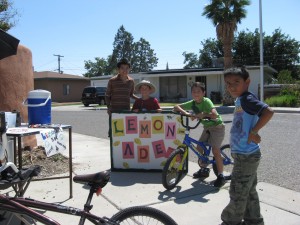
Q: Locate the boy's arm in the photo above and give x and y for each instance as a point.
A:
(212, 115)
(178, 108)
(265, 117)
(134, 96)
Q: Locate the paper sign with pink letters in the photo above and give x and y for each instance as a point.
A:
(144, 141)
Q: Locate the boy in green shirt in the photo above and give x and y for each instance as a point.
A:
(214, 129)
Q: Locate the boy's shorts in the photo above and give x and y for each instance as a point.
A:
(213, 135)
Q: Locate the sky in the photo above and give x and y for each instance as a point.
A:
(82, 30)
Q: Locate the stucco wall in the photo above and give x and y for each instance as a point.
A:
(16, 75)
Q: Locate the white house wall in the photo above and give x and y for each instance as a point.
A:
(100, 83)
(213, 83)
(254, 81)
(214, 80)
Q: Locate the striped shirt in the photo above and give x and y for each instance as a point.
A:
(118, 93)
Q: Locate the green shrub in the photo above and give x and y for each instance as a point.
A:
(282, 101)
(293, 89)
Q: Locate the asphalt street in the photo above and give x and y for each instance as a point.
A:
(280, 141)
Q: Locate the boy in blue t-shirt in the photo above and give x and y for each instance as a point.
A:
(250, 116)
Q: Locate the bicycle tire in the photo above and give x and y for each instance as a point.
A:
(142, 215)
(171, 176)
(226, 154)
(11, 218)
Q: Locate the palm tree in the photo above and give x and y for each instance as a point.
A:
(225, 15)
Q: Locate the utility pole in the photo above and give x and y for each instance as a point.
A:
(58, 58)
(261, 50)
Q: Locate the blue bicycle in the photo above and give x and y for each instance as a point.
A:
(176, 166)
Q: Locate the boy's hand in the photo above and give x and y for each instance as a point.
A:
(200, 115)
(254, 137)
(192, 116)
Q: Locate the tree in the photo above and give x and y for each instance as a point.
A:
(97, 68)
(139, 54)
(122, 48)
(7, 15)
(285, 77)
(225, 15)
(282, 52)
(191, 60)
(246, 50)
(143, 57)
(211, 50)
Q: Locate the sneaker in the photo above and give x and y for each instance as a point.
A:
(202, 173)
(220, 181)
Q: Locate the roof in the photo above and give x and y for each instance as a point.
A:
(182, 70)
(54, 75)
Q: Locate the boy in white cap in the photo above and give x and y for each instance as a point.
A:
(146, 102)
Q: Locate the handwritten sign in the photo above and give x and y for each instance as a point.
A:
(144, 141)
(54, 142)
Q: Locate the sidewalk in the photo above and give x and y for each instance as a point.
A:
(191, 203)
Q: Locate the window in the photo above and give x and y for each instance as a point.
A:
(66, 89)
(172, 88)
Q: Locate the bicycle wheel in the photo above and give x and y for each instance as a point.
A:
(11, 218)
(142, 215)
(173, 169)
(227, 162)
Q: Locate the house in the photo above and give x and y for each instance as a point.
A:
(173, 85)
(63, 87)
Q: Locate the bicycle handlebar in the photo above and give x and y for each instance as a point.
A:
(186, 125)
(187, 120)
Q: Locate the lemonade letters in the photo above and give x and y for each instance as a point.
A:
(143, 140)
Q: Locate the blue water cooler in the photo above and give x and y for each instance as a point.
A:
(39, 107)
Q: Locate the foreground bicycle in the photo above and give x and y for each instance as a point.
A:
(176, 166)
(22, 208)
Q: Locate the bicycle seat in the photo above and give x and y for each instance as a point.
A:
(100, 178)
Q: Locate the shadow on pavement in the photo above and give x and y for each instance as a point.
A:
(196, 193)
(131, 178)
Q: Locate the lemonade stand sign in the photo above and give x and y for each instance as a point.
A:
(143, 141)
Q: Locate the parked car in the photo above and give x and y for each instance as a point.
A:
(93, 95)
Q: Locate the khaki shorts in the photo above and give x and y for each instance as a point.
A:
(214, 135)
